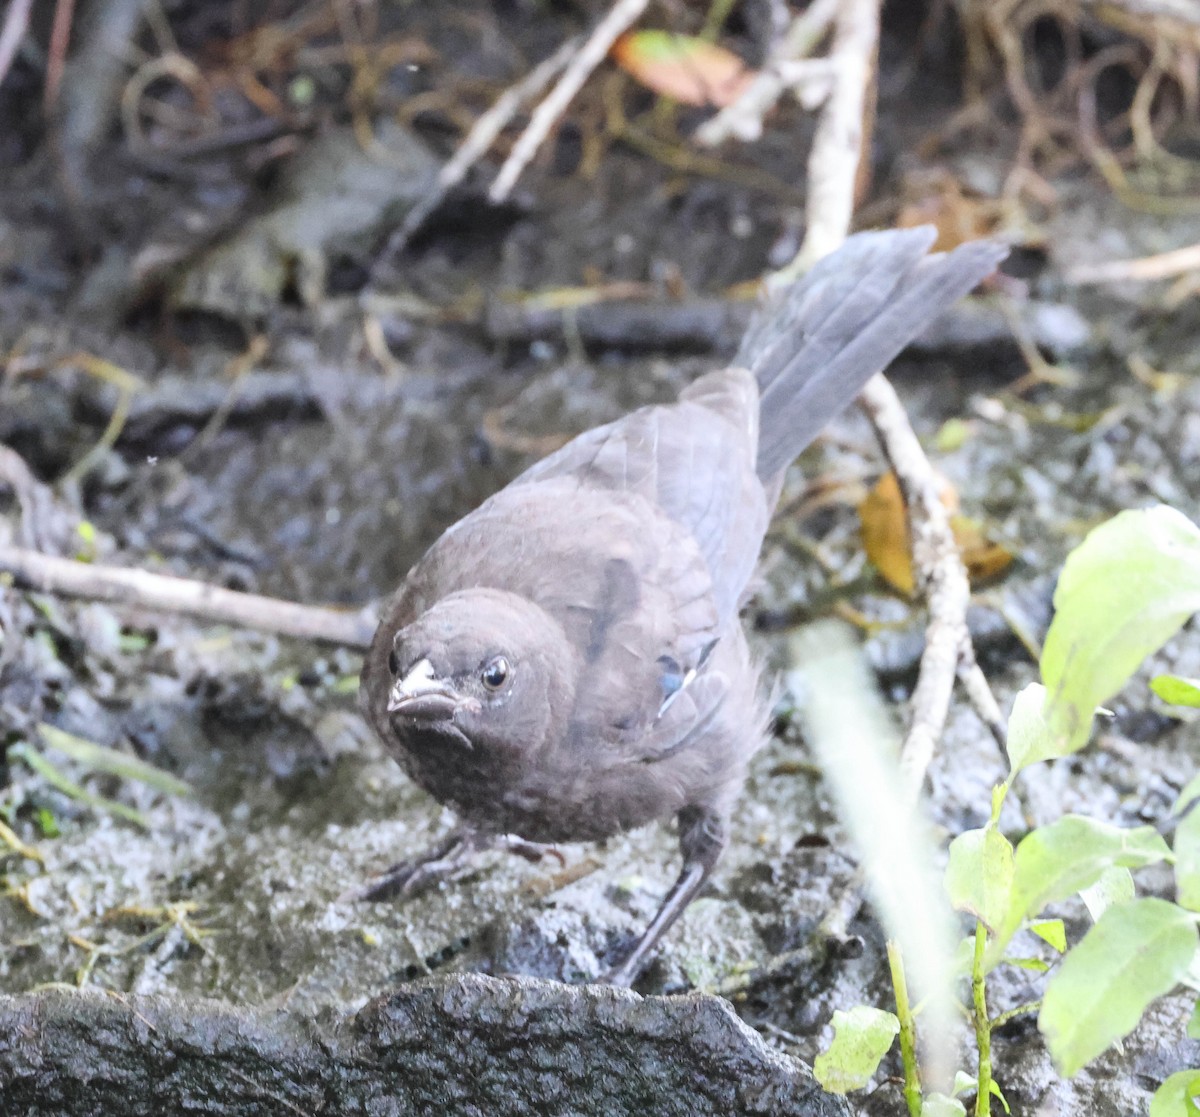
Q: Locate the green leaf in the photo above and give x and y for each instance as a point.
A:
(47, 823)
(968, 1084)
(938, 1105)
(1189, 795)
(1054, 862)
(1051, 931)
(1176, 1097)
(999, 793)
(980, 873)
(1114, 886)
(1192, 978)
(1136, 952)
(102, 759)
(1123, 593)
(1030, 736)
(964, 1083)
(1187, 860)
(861, 1038)
(951, 435)
(69, 787)
(1037, 965)
(1176, 689)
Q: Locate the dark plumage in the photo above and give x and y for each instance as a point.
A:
(567, 661)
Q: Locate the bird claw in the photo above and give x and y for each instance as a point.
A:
(619, 977)
(443, 862)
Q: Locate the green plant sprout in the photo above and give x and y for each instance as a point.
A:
(95, 758)
(1123, 593)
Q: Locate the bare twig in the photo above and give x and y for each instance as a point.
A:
(60, 34)
(743, 119)
(1163, 265)
(476, 144)
(975, 683)
(589, 56)
(119, 586)
(944, 578)
(836, 154)
(16, 20)
(42, 525)
(833, 167)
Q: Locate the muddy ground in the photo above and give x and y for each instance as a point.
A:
(307, 420)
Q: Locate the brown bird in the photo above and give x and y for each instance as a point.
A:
(567, 662)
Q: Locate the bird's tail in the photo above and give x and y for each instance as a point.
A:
(817, 342)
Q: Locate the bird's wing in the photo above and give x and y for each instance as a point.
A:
(694, 462)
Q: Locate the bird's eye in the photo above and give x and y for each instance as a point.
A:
(394, 662)
(495, 673)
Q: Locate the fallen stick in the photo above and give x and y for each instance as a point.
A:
(833, 169)
(621, 16)
(115, 585)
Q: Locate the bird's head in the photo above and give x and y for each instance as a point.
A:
(488, 668)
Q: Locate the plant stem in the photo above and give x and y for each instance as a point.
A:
(908, 1031)
(1013, 1013)
(983, 1027)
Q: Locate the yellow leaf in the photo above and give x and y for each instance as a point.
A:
(983, 558)
(885, 537)
(885, 533)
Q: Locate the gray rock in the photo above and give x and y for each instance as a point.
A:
(457, 1044)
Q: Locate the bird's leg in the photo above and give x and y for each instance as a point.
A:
(703, 835)
(441, 861)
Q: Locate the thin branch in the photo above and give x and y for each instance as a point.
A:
(476, 144)
(979, 692)
(833, 162)
(944, 578)
(623, 14)
(1163, 265)
(833, 168)
(60, 35)
(16, 21)
(120, 586)
(788, 66)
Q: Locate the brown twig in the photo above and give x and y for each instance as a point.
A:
(120, 586)
(975, 683)
(941, 571)
(60, 35)
(621, 16)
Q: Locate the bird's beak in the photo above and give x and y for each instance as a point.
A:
(423, 696)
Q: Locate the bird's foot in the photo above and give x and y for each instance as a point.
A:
(443, 862)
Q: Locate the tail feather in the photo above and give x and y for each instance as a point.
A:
(815, 345)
